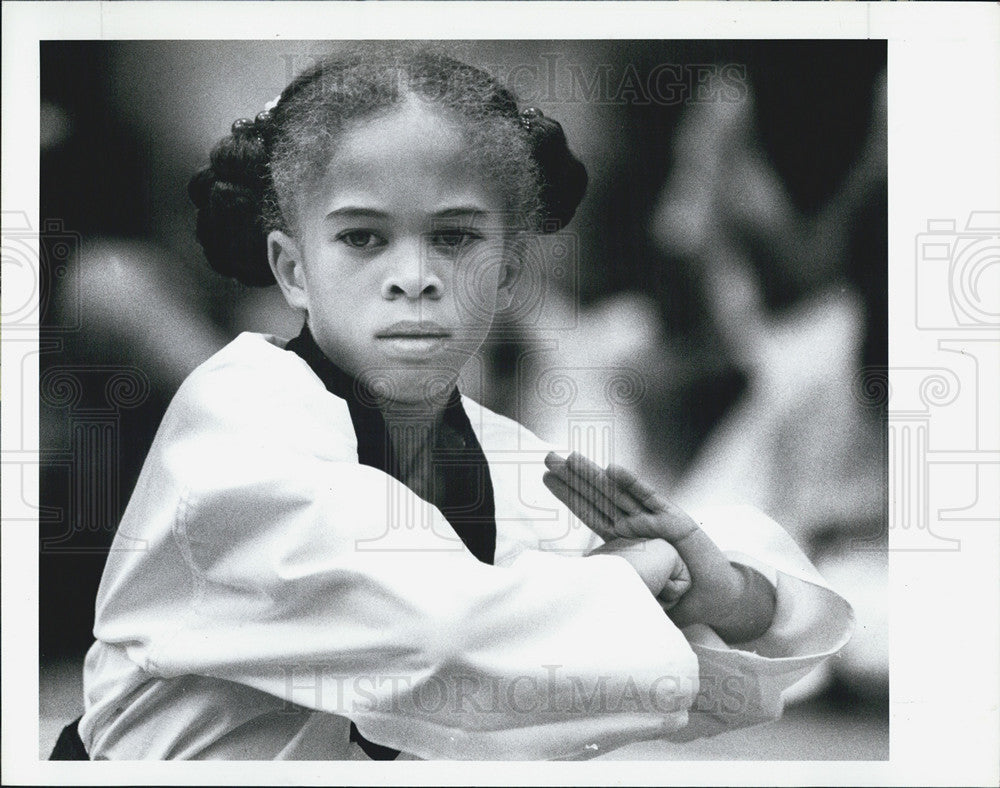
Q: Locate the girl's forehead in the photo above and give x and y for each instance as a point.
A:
(410, 129)
(413, 153)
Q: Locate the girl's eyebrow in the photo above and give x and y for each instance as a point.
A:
(449, 213)
(352, 212)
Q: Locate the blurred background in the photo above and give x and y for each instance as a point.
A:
(716, 312)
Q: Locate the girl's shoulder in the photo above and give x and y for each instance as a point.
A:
(252, 371)
(501, 434)
(249, 354)
(254, 390)
(528, 515)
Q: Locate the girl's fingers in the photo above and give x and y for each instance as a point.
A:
(629, 483)
(676, 586)
(583, 485)
(582, 507)
(592, 474)
(641, 526)
(708, 567)
(630, 509)
(672, 524)
(668, 598)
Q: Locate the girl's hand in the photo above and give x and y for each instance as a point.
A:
(735, 601)
(657, 563)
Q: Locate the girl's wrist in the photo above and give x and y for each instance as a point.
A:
(750, 610)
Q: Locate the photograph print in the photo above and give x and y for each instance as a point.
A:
(466, 400)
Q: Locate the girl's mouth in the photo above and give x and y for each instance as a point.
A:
(412, 329)
(409, 338)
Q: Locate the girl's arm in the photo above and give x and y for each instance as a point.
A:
(733, 599)
(800, 620)
(255, 550)
(318, 583)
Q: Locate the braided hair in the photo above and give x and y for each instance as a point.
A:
(259, 172)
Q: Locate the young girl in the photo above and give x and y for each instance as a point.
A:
(331, 553)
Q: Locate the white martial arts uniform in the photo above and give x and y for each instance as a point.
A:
(264, 589)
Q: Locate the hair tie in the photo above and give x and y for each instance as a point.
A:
(563, 176)
(258, 127)
(260, 124)
(243, 126)
(529, 114)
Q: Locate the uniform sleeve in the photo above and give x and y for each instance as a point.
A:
(333, 586)
(742, 684)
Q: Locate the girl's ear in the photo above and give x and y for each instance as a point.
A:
(286, 263)
(513, 262)
(508, 279)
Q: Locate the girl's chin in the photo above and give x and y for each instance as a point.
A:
(427, 385)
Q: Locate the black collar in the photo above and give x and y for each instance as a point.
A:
(468, 500)
(369, 425)
(468, 503)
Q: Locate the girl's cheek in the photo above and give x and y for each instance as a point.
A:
(476, 285)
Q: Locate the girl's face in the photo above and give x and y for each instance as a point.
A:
(400, 255)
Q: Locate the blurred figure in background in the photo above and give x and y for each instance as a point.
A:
(756, 312)
(795, 269)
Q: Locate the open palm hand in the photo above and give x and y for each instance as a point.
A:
(693, 580)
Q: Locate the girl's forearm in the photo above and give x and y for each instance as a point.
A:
(752, 613)
(735, 600)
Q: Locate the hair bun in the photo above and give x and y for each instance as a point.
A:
(564, 176)
(229, 196)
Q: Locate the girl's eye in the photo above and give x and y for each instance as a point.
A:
(361, 239)
(453, 238)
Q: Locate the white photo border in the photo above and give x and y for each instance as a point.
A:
(944, 121)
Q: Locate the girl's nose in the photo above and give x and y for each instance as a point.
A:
(411, 275)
